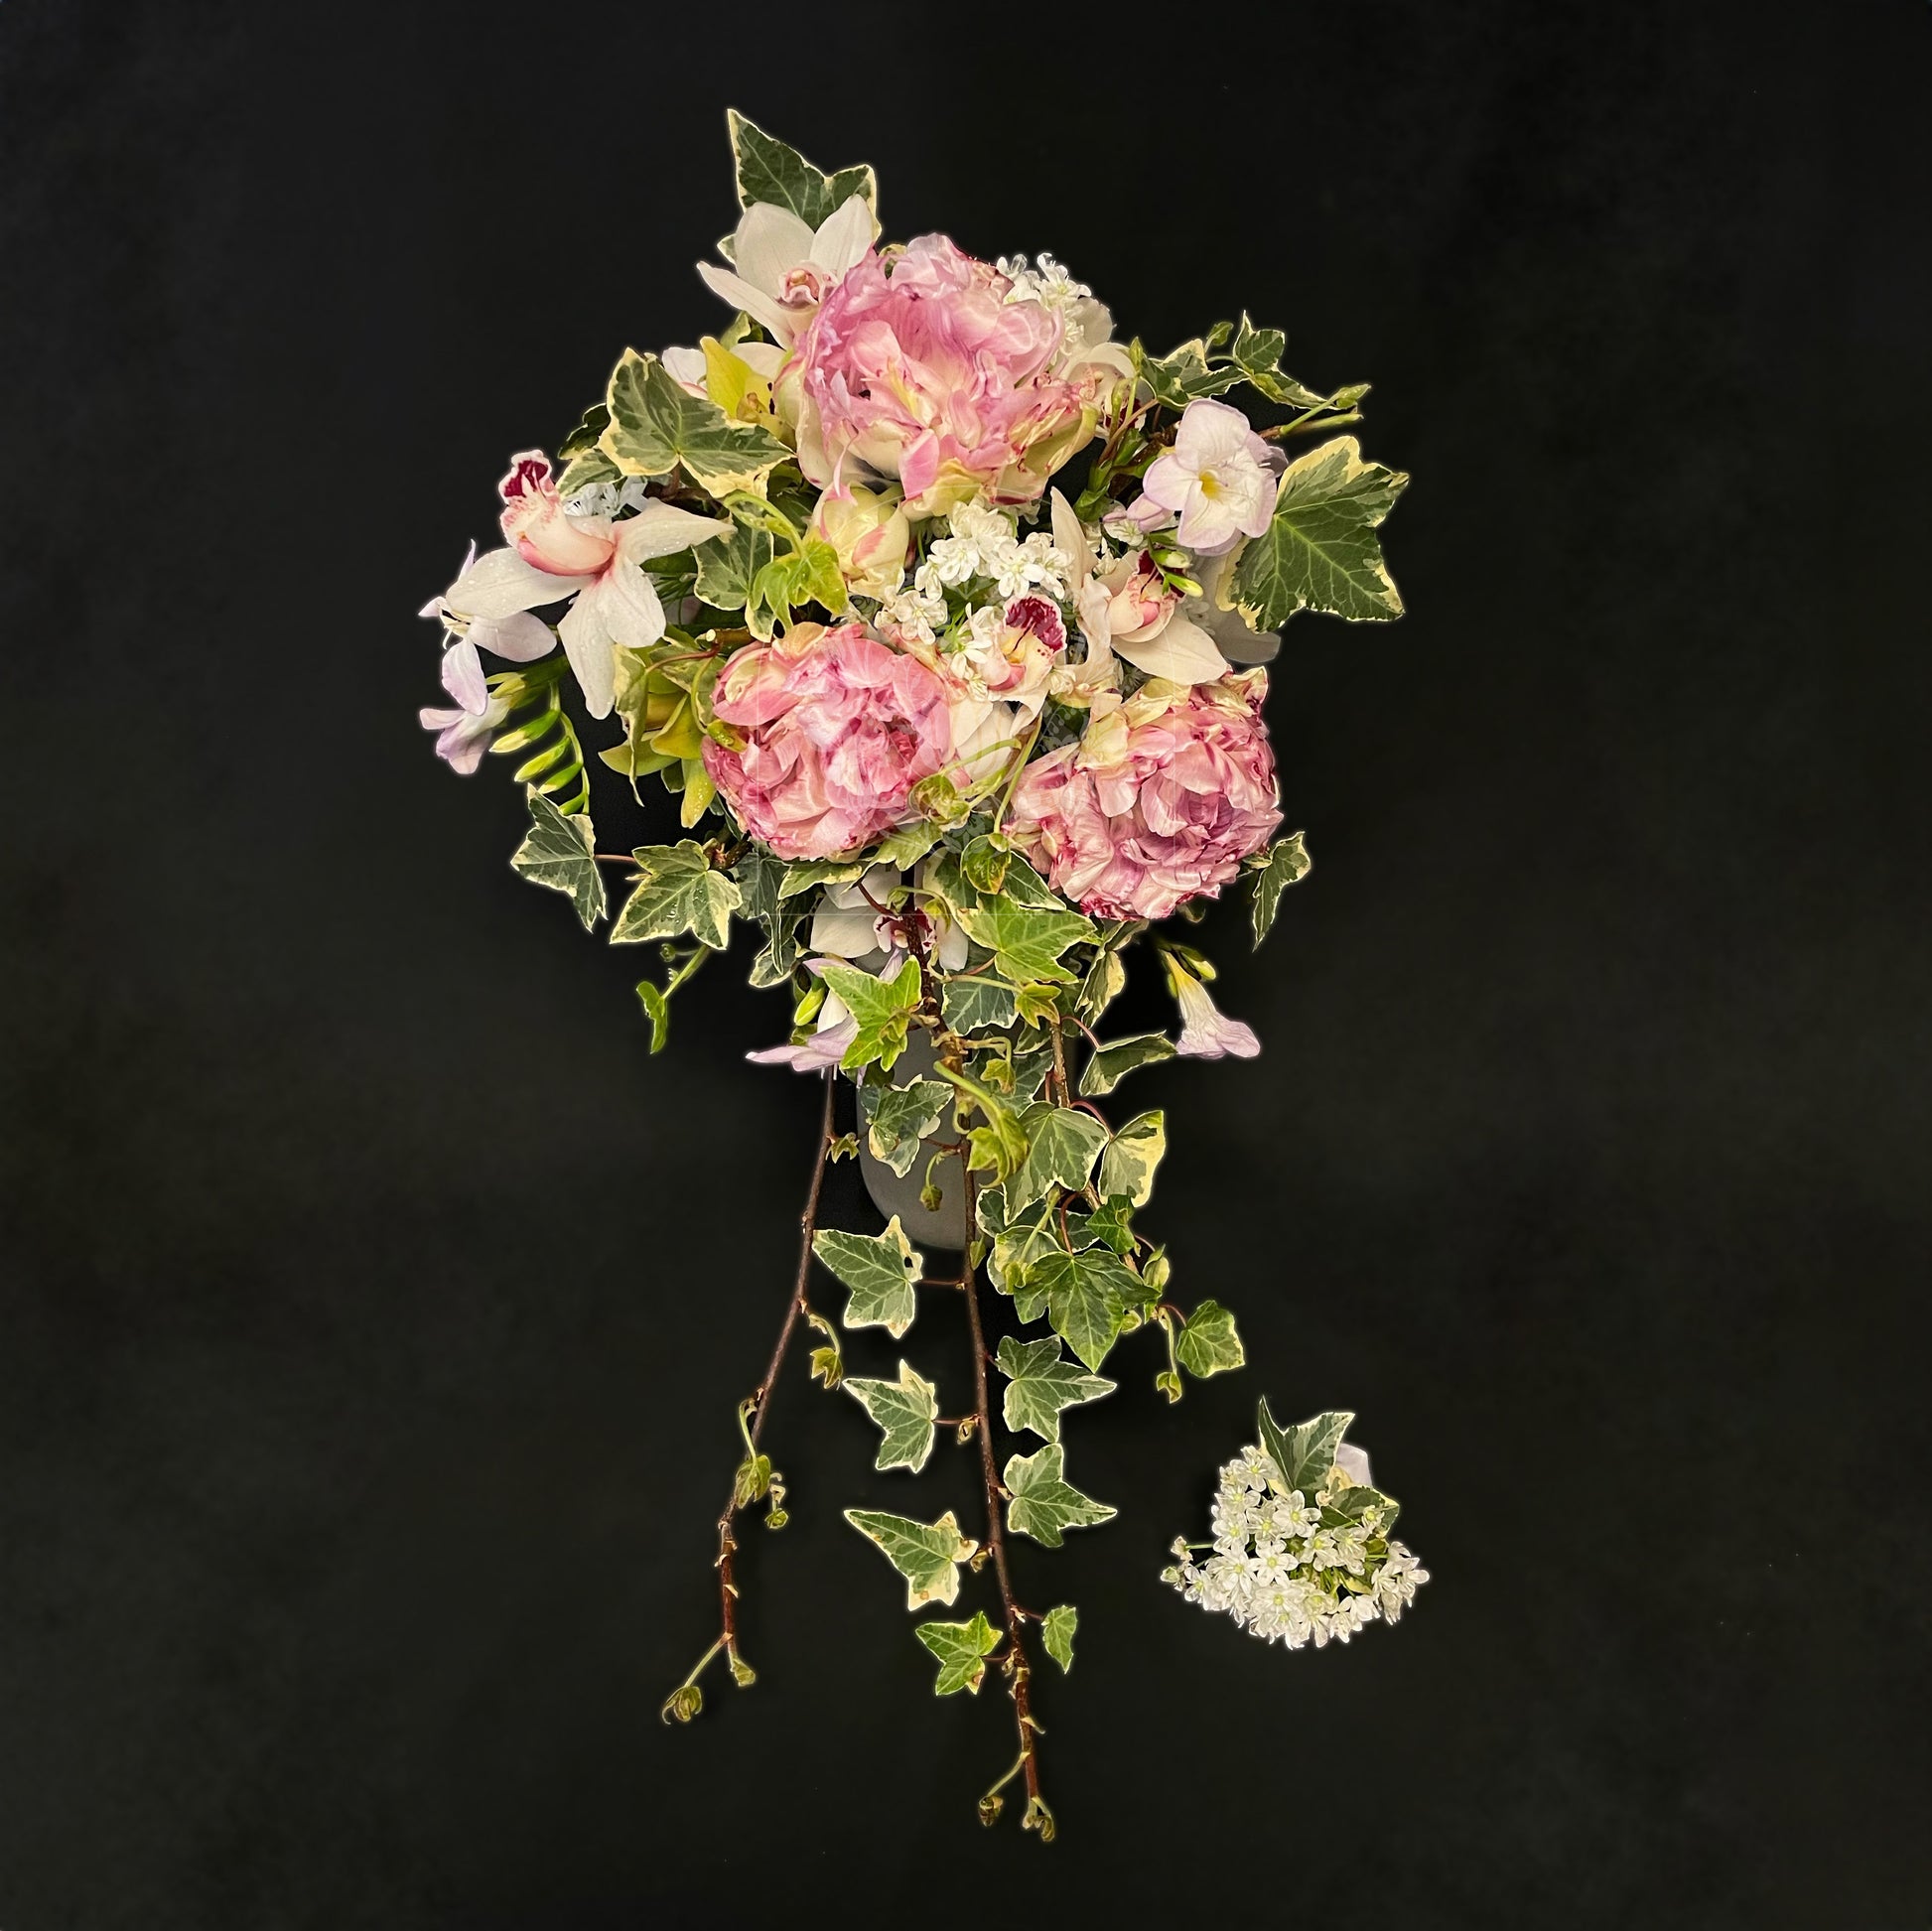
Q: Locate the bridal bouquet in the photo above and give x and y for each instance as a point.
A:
(941, 613)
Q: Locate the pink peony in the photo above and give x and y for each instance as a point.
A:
(920, 368)
(838, 730)
(1159, 803)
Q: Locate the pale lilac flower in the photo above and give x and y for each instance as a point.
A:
(1219, 478)
(464, 736)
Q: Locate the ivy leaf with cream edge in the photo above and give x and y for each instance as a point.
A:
(905, 1412)
(1043, 1504)
(880, 1269)
(926, 1554)
(557, 853)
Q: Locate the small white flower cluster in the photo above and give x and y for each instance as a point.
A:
(982, 546)
(607, 498)
(1281, 1574)
(1050, 284)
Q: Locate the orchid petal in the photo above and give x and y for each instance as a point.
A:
(662, 530)
(1182, 652)
(499, 584)
(754, 301)
(843, 237)
(520, 638)
(769, 244)
(587, 643)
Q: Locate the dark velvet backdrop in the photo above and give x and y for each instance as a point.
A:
(374, 1307)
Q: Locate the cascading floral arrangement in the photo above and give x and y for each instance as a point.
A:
(941, 613)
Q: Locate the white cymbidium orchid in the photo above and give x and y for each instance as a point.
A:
(518, 637)
(849, 925)
(553, 555)
(782, 270)
(1125, 611)
(1206, 1033)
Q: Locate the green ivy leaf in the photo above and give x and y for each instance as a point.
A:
(1112, 1062)
(897, 1118)
(978, 1005)
(1040, 1382)
(1106, 979)
(926, 1554)
(655, 426)
(1288, 864)
(905, 1412)
(1257, 353)
(1126, 1167)
(1043, 1502)
(1320, 552)
(768, 171)
(1085, 1295)
(1056, 1631)
(727, 566)
(811, 872)
(881, 1008)
(1207, 1344)
(1355, 1500)
(1109, 1225)
(902, 849)
(1062, 1144)
(1026, 944)
(678, 892)
(658, 1008)
(556, 852)
(962, 1649)
(1306, 1451)
(880, 1269)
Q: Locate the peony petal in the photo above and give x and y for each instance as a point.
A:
(499, 584)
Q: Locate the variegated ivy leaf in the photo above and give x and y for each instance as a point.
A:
(1025, 942)
(881, 1008)
(770, 172)
(727, 566)
(978, 1005)
(1056, 1631)
(1106, 979)
(897, 1118)
(902, 849)
(905, 1412)
(1042, 1503)
(807, 873)
(1321, 552)
(1085, 1295)
(557, 853)
(1015, 1248)
(1127, 1166)
(1112, 1062)
(1288, 864)
(1207, 1344)
(926, 1554)
(1306, 1451)
(1040, 1382)
(657, 426)
(757, 875)
(880, 1269)
(1355, 1501)
(962, 1649)
(1062, 1144)
(678, 892)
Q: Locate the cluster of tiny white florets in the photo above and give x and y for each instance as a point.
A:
(1050, 284)
(607, 498)
(1285, 1574)
(982, 547)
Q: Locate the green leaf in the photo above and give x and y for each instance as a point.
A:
(655, 426)
(1044, 1503)
(1021, 884)
(1288, 864)
(557, 854)
(897, 1118)
(1056, 1631)
(881, 1008)
(1208, 1344)
(1320, 552)
(658, 1008)
(678, 892)
(978, 1005)
(962, 1649)
(1112, 1062)
(728, 564)
(811, 872)
(1106, 979)
(1306, 1453)
(1126, 1167)
(1062, 1144)
(1085, 1295)
(926, 1554)
(1356, 1499)
(1109, 1225)
(768, 171)
(1026, 944)
(586, 467)
(1040, 1382)
(903, 847)
(905, 1411)
(1257, 353)
(881, 1270)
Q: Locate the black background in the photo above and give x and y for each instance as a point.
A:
(375, 1306)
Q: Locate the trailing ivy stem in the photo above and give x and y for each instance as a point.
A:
(1016, 1665)
(751, 1411)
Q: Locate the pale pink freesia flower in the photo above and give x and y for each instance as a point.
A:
(917, 366)
(836, 729)
(1219, 479)
(463, 735)
(782, 270)
(1206, 1033)
(1160, 801)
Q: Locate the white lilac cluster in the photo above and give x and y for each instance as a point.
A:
(1050, 284)
(982, 546)
(1292, 1568)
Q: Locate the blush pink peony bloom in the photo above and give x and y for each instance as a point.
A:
(1157, 803)
(837, 728)
(918, 367)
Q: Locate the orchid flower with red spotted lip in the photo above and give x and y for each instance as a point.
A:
(592, 559)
